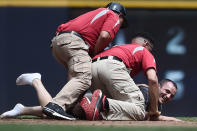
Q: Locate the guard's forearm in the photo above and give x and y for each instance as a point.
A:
(102, 42)
(154, 96)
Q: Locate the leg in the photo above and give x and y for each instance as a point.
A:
(79, 69)
(34, 79)
(43, 96)
(19, 110)
(119, 86)
(110, 109)
(78, 84)
(70, 51)
(92, 106)
(34, 110)
(122, 110)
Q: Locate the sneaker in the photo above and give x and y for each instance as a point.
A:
(55, 111)
(77, 111)
(94, 106)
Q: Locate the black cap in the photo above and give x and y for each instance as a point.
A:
(118, 8)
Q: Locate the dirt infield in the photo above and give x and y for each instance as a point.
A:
(97, 123)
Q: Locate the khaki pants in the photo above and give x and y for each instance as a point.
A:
(72, 52)
(126, 101)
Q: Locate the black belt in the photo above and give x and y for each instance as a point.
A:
(106, 57)
(72, 32)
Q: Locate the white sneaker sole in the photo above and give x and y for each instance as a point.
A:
(57, 115)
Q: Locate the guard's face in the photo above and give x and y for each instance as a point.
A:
(167, 92)
(121, 19)
(148, 45)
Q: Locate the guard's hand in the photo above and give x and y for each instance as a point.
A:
(157, 113)
(153, 116)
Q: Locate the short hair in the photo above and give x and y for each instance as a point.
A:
(163, 81)
(145, 35)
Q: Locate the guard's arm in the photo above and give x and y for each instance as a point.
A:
(153, 92)
(161, 118)
(102, 42)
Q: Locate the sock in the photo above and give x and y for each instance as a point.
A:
(27, 79)
(14, 112)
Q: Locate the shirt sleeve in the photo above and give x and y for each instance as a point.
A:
(148, 61)
(111, 24)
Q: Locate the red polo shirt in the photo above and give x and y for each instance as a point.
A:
(90, 24)
(133, 55)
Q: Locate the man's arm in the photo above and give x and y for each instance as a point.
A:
(167, 118)
(102, 42)
(153, 92)
(162, 118)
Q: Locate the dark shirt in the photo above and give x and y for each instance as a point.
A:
(145, 93)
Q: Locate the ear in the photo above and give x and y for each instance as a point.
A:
(145, 42)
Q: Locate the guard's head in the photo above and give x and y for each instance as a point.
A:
(119, 9)
(143, 39)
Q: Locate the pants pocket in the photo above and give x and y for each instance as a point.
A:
(81, 64)
(63, 42)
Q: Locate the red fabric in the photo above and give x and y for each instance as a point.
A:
(133, 55)
(90, 24)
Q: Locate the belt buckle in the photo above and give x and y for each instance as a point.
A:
(57, 33)
(73, 33)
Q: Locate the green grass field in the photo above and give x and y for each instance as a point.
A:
(47, 127)
(192, 119)
(14, 127)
